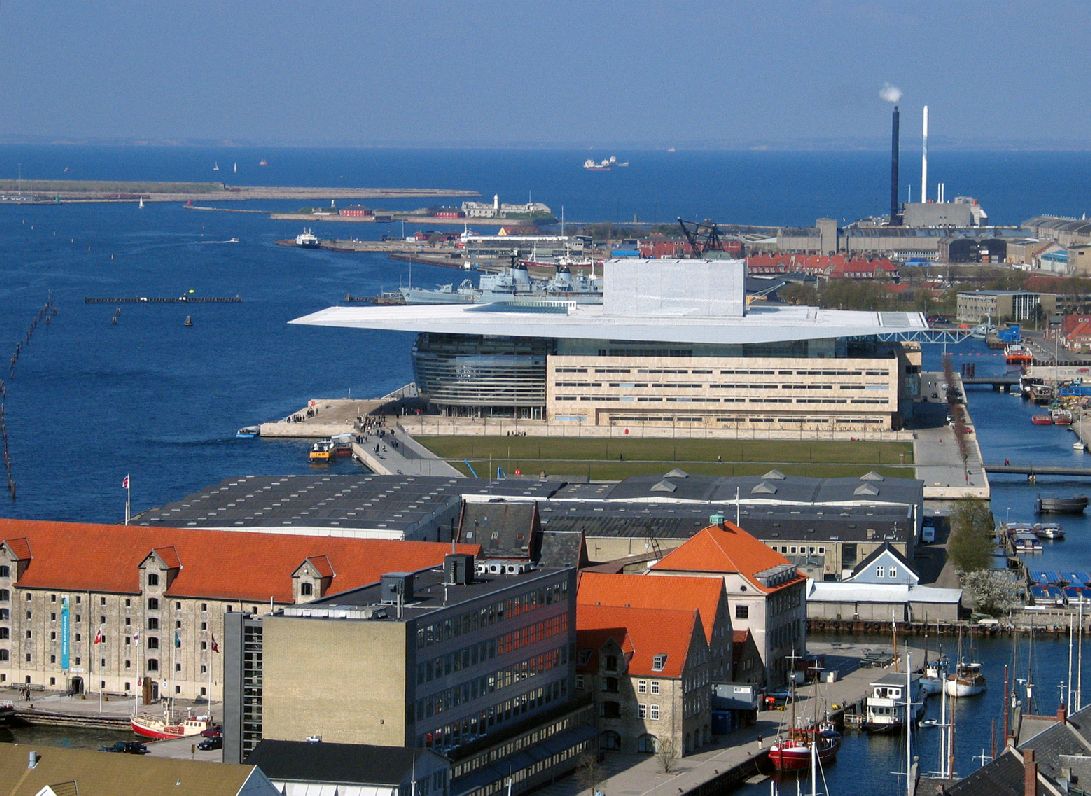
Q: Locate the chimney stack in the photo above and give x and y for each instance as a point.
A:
(894, 147)
(1030, 773)
(924, 156)
(1062, 714)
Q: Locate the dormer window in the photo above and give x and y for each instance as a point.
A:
(306, 588)
(153, 579)
(659, 662)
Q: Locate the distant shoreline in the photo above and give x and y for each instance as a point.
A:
(20, 191)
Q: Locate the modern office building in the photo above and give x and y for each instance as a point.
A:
(999, 306)
(461, 659)
(674, 344)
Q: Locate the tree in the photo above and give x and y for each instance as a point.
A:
(971, 545)
(588, 771)
(993, 593)
(667, 754)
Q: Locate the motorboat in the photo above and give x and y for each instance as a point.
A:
(342, 445)
(885, 704)
(793, 752)
(1041, 420)
(1018, 354)
(1050, 530)
(248, 432)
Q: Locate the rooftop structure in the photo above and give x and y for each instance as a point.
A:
(655, 352)
(53, 770)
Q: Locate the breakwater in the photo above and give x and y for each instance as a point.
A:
(163, 300)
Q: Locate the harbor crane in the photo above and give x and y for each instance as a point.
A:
(703, 236)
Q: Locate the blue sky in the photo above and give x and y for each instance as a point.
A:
(656, 74)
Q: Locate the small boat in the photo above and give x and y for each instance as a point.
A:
(793, 753)
(321, 451)
(592, 165)
(248, 432)
(307, 240)
(930, 722)
(215, 166)
(232, 240)
(235, 168)
(263, 162)
(141, 203)
(165, 728)
(931, 681)
(1078, 446)
(1041, 420)
(1061, 505)
(188, 321)
(1049, 530)
(966, 681)
(885, 708)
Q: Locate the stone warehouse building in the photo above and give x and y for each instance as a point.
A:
(131, 610)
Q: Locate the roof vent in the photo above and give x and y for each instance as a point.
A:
(774, 475)
(871, 475)
(717, 519)
(764, 489)
(865, 489)
(396, 587)
(664, 486)
(677, 473)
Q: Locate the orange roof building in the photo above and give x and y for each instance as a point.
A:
(155, 598)
(706, 596)
(648, 672)
(765, 592)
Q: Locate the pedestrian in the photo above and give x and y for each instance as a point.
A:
(761, 742)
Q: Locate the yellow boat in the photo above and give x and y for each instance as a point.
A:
(321, 451)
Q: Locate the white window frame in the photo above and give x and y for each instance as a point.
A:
(655, 686)
(642, 686)
(641, 710)
(653, 712)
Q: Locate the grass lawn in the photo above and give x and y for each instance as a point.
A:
(609, 459)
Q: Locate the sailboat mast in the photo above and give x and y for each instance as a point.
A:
(908, 728)
(1068, 693)
(951, 742)
(1007, 706)
(943, 727)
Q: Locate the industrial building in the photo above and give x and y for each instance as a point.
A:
(1001, 306)
(674, 344)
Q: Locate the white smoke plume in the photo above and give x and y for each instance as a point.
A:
(890, 93)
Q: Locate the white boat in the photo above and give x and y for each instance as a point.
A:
(235, 168)
(141, 202)
(966, 681)
(215, 166)
(307, 240)
(1078, 446)
(932, 679)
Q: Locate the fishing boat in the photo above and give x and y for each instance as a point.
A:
(1061, 505)
(967, 680)
(321, 451)
(931, 681)
(248, 432)
(1041, 420)
(166, 728)
(792, 750)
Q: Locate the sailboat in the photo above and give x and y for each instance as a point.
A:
(235, 168)
(141, 202)
(967, 679)
(215, 166)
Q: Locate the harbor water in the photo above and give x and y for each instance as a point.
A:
(92, 401)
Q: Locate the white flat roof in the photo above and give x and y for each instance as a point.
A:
(892, 593)
(761, 324)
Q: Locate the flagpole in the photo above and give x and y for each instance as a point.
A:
(128, 496)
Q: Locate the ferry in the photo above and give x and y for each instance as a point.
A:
(321, 451)
(165, 728)
(967, 680)
(307, 240)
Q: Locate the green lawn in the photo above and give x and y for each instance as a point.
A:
(610, 459)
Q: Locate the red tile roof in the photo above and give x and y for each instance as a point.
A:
(20, 548)
(725, 549)
(642, 633)
(216, 564)
(169, 556)
(322, 565)
(640, 591)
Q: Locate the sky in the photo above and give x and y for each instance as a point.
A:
(546, 74)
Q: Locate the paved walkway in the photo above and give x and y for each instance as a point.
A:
(641, 775)
(936, 452)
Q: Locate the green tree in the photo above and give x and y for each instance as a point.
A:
(971, 545)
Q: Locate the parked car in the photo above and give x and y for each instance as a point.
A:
(126, 747)
(208, 744)
(213, 732)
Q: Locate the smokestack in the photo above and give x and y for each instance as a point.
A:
(894, 169)
(924, 155)
(1030, 773)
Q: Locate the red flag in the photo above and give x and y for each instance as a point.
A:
(125, 482)
(215, 646)
(99, 636)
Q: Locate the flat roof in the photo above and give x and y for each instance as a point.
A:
(667, 301)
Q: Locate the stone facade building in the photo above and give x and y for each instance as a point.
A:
(130, 610)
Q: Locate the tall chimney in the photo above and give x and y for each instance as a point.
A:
(1030, 773)
(894, 169)
(924, 155)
